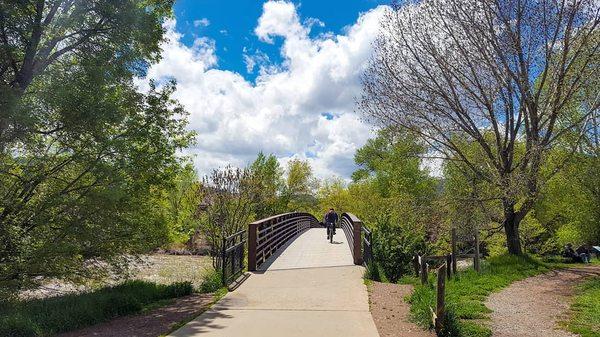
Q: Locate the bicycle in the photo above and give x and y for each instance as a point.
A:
(330, 231)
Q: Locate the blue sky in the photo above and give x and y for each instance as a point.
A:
(231, 24)
(276, 76)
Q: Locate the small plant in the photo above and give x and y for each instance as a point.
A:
(372, 272)
(212, 282)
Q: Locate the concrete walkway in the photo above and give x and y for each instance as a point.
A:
(310, 289)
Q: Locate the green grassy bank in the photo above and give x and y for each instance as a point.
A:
(585, 317)
(48, 316)
(467, 291)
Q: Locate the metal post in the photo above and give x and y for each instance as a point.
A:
(223, 264)
(448, 264)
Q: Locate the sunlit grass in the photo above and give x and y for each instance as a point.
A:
(467, 291)
(585, 317)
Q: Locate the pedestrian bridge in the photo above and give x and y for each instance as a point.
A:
(300, 284)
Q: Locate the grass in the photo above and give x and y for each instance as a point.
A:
(45, 317)
(585, 318)
(467, 291)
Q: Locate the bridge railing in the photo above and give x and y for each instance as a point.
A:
(352, 227)
(266, 236)
(232, 257)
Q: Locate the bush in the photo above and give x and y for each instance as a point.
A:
(394, 248)
(212, 282)
(58, 314)
(373, 272)
(17, 326)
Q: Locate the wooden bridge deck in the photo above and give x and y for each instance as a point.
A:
(310, 289)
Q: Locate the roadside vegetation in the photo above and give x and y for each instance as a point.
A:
(467, 291)
(585, 310)
(158, 282)
(45, 317)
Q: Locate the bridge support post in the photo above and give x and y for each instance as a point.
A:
(357, 229)
(252, 238)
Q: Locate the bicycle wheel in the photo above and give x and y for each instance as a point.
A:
(331, 235)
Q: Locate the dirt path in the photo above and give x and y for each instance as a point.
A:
(154, 323)
(390, 312)
(534, 306)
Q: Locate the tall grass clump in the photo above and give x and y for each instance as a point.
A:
(212, 282)
(45, 317)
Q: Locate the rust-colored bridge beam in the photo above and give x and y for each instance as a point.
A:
(352, 227)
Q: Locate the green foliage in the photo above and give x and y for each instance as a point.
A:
(58, 314)
(84, 155)
(585, 317)
(466, 293)
(180, 205)
(334, 193)
(394, 247)
(374, 272)
(268, 181)
(212, 282)
(229, 195)
(300, 186)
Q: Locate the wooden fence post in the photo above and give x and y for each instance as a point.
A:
(424, 275)
(454, 253)
(476, 257)
(415, 263)
(448, 264)
(441, 298)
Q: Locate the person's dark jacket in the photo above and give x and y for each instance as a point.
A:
(331, 217)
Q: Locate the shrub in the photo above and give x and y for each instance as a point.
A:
(17, 326)
(395, 246)
(212, 282)
(373, 272)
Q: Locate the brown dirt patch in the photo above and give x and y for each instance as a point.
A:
(150, 324)
(391, 313)
(534, 306)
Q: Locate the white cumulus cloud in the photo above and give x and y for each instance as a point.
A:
(303, 107)
(204, 22)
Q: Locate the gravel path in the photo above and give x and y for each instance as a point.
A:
(390, 312)
(534, 306)
(154, 323)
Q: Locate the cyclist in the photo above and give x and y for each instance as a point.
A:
(331, 219)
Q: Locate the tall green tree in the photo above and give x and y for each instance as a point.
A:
(39, 36)
(268, 179)
(457, 70)
(301, 185)
(83, 154)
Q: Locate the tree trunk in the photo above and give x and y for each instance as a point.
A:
(511, 228)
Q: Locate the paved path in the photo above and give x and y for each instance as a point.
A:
(311, 289)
